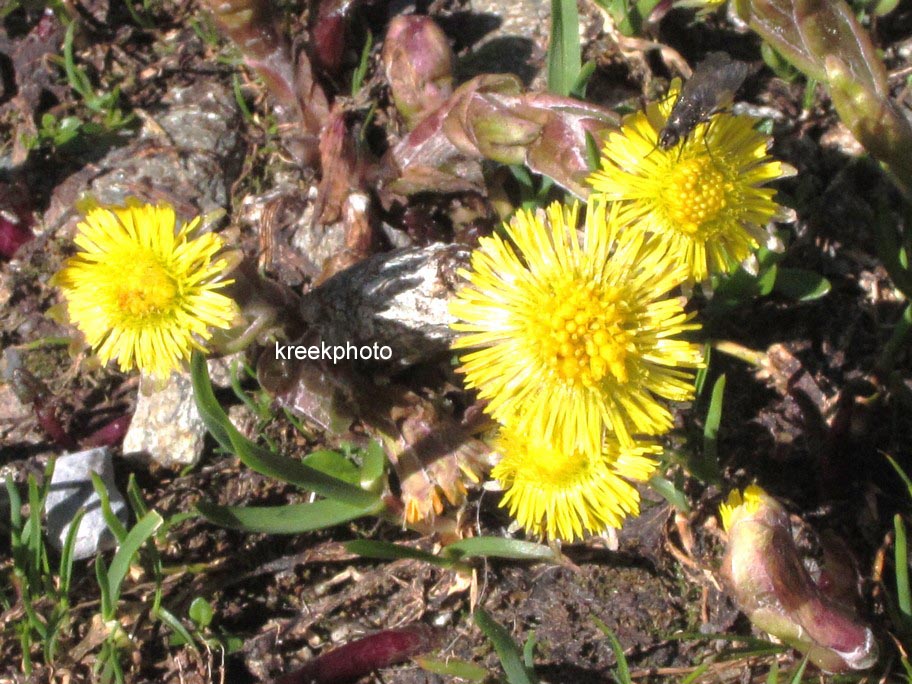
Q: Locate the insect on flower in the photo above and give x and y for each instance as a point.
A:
(712, 87)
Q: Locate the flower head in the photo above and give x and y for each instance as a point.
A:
(703, 196)
(572, 337)
(142, 292)
(739, 505)
(562, 495)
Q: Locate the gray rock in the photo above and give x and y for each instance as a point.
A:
(166, 427)
(188, 154)
(71, 489)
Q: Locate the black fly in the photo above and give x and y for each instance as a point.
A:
(712, 87)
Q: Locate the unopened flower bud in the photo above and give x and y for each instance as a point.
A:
(772, 586)
(418, 63)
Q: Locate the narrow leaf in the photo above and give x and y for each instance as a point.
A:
(263, 460)
(564, 51)
(288, 519)
(801, 284)
(496, 547)
(120, 565)
(388, 551)
(510, 656)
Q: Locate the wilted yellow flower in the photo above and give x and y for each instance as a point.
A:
(702, 197)
(563, 495)
(142, 291)
(572, 337)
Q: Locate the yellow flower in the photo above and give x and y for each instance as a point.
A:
(142, 292)
(739, 505)
(702, 197)
(563, 495)
(574, 338)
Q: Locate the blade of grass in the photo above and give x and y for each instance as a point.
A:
(621, 672)
(453, 668)
(111, 520)
(510, 656)
(903, 598)
(670, 493)
(120, 564)
(564, 51)
(799, 673)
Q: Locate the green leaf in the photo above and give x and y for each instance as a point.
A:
(183, 635)
(111, 520)
(670, 493)
(334, 464)
(201, 612)
(120, 564)
(622, 671)
(902, 474)
(799, 672)
(707, 468)
(801, 284)
(510, 656)
(453, 668)
(564, 51)
(381, 550)
(373, 467)
(263, 460)
(497, 547)
(903, 597)
(288, 519)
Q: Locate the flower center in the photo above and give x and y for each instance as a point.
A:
(144, 287)
(546, 469)
(696, 194)
(580, 332)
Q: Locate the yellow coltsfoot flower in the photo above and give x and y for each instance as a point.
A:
(564, 495)
(141, 290)
(574, 338)
(702, 197)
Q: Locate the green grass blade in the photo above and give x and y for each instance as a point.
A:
(696, 674)
(670, 493)
(288, 519)
(176, 626)
(772, 676)
(496, 547)
(564, 51)
(707, 469)
(902, 475)
(799, 673)
(903, 598)
(453, 668)
(622, 671)
(509, 654)
(101, 575)
(120, 564)
(66, 554)
(111, 520)
(38, 563)
(263, 460)
(361, 70)
(380, 550)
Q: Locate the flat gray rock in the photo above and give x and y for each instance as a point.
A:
(71, 489)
